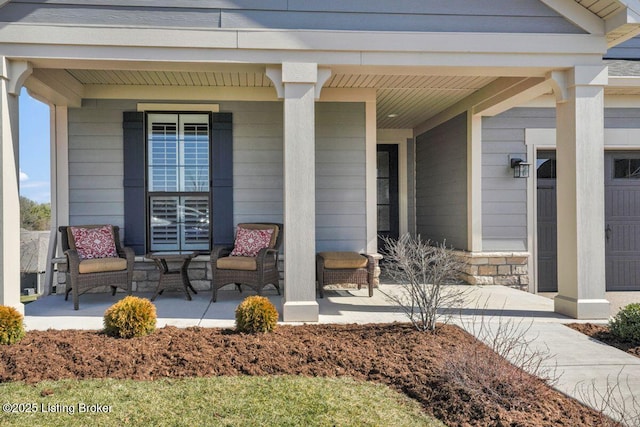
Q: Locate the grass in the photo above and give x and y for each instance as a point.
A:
(219, 401)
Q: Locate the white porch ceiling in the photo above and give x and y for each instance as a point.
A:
(408, 99)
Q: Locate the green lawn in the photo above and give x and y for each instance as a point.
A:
(221, 401)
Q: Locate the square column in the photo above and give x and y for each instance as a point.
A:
(580, 192)
(299, 84)
(12, 75)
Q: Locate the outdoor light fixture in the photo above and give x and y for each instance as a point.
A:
(520, 169)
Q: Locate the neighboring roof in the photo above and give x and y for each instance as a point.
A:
(34, 246)
(623, 68)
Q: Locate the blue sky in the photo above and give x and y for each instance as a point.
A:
(35, 168)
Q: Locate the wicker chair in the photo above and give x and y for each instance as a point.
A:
(255, 272)
(335, 268)
(92, 273)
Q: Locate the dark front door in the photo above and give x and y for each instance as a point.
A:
(547, 222)
(388, 207)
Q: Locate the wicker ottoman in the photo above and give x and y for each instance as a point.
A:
(334, 268)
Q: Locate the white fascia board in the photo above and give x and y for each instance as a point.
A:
(578, 15)
(630, 81)
(624, 17)
(380, 41)
(302, 40)
(57, 86)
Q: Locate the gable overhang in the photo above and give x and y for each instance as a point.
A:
(618, 20)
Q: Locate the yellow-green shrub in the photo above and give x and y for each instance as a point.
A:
(256, 314)
(11, 325)
(130, 317)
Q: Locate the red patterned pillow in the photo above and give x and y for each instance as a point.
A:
(96, 242)
(249, 242)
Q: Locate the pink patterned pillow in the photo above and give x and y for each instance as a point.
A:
(249, 242)
(96, 242)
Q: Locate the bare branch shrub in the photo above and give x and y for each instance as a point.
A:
(610, 401)
(424, 269)
(511, 339)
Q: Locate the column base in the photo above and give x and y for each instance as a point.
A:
(582, 308)
(300, 311)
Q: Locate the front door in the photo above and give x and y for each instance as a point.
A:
(388, 205)
(547, 220)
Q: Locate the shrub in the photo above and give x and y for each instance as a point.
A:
(130, 317)
(11, 326)
(256, 314)
(626, 324)
(424, 269)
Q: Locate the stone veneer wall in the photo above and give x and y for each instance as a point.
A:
(496, 268)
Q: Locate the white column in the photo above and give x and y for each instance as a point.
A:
(12, 75)
(580, 192)
(474, 182)
(299, 84)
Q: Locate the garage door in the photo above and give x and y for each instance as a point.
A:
(622, 221)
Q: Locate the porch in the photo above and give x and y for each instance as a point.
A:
(338, 306)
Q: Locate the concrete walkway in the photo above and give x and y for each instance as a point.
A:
(586, 367)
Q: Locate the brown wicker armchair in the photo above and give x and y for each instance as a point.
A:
(85, 274)
(333, 268)
(255, 272)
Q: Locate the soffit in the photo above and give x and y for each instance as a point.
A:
(409, 99)
(602, 8)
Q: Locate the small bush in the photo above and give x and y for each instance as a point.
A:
(11, 326)
(256, 314)
(626, 324)
(130, 317)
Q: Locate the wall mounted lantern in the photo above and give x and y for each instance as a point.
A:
(520, 168)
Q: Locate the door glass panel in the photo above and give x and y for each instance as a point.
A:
(626, 168)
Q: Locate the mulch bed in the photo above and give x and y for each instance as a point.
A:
(434, 369)
(602, 334)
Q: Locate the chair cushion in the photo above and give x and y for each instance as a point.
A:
(249, 242)
(343, 260)
(237, 263)
(101, 265)
(93, 242)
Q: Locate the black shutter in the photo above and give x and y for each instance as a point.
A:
(134, 173)
(222, 188)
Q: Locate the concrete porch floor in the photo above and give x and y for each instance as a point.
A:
(578, 360)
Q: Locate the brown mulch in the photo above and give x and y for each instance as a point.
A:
(454, 377)
(602, 334)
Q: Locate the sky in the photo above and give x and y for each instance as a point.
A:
(35, 168)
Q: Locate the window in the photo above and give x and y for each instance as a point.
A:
(546, 165)
(178, 177)
(626, 168)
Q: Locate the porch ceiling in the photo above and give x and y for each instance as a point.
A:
(403, 101)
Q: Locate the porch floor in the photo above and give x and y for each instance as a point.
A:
(338, 306)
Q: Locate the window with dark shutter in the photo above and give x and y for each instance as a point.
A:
(178, 176)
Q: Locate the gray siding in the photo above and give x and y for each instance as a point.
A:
(518, 16)
(96, 169)
(504, 198)
(627, 50)
(441, 183)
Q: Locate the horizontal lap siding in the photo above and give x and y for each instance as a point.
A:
(504, 198)
(441, 183)
(627, 50)
(523, 16)
(95, 162)
(340, 177)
